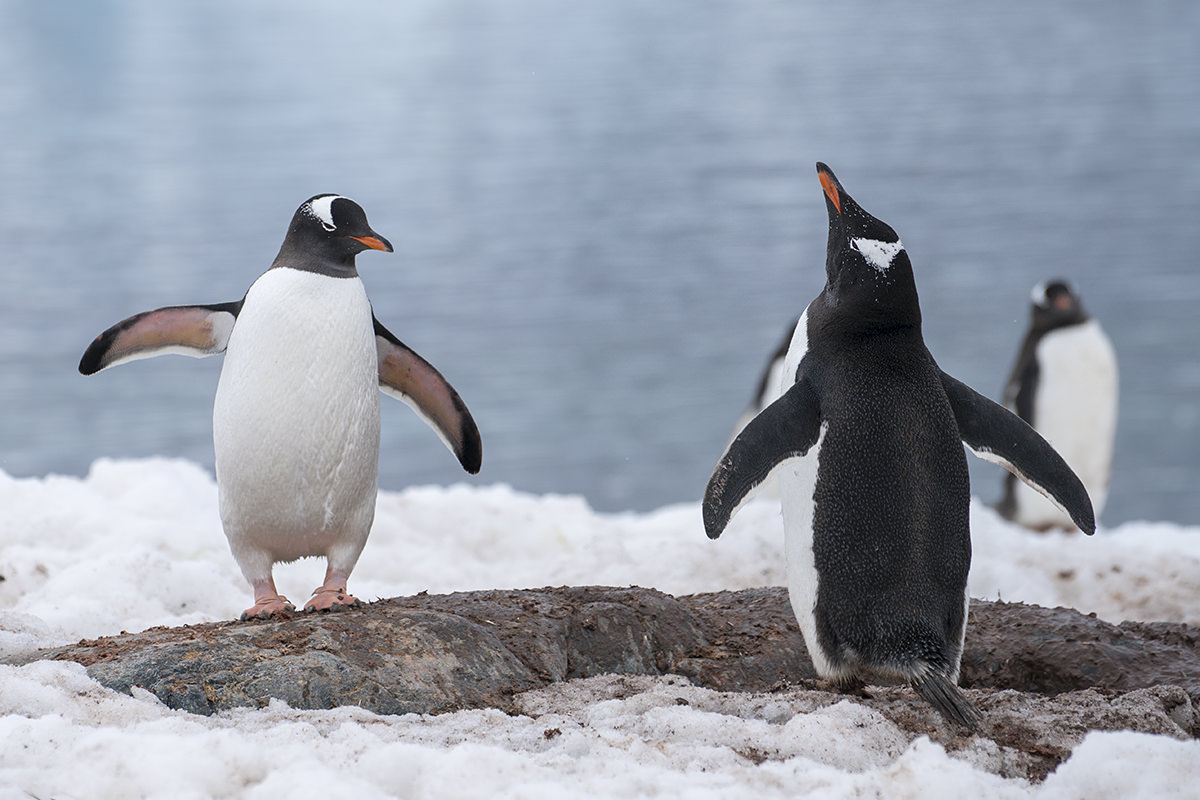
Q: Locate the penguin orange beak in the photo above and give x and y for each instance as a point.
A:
(831, 190)
(374, 242)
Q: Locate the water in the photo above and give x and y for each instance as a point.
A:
(604, 213)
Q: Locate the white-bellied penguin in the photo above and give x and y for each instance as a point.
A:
(1064, 384)
(867, 443)
(296, 414)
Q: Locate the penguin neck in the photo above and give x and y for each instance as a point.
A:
(294, 257)
(1044, 321)
(876, 303)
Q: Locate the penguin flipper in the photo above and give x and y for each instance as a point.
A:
(411, 379)
(785, 429)
(997, 435)
(195, 331)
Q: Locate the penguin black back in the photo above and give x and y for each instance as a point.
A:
(890, 504)
(867, 444)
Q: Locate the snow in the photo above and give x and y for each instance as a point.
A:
(138, 543)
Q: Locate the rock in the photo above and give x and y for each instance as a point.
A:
(1052, 650)
(1042, 677)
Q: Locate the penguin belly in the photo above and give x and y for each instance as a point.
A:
(877, 542)
(1075, 410)
(796, 483)
(296, 423)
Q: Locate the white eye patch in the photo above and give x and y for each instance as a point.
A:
(1038, 295)
(322, 209)
(878, 254)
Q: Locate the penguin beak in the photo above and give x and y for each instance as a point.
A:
(830, 185)
(374, 242)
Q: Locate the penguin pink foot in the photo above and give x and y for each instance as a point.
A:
(268, 602)
(332, 595)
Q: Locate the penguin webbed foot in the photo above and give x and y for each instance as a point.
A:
(332, 599)
(852, 684)
(268, 602)
(268, 607)
(332, 594)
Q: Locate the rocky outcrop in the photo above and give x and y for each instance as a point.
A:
(431, 654)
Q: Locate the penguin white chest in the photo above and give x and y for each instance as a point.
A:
(797, 483)
(296, 417)
(797, 487)
(1075, 409)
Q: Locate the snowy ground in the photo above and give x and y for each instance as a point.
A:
(138, 543)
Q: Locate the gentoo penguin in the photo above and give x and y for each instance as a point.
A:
(769, 382)
(770, 386)
(296, 414)
(1064, 384)
(867, 442)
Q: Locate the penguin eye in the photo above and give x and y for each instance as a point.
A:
(329, 226)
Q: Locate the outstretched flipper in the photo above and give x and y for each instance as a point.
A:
(195, 331)
(997, 435)
(785, 429)
(406, 376)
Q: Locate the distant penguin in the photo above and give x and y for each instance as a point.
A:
(770, 382)
(867, 443)
(1064, 384)
(296, 414)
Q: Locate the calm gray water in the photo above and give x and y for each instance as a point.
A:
(604, 213)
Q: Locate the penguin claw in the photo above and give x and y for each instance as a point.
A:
(332, 599)
(277, 606)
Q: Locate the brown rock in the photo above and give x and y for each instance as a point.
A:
(1043, 677)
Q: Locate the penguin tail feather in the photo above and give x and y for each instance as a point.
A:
(941, 693)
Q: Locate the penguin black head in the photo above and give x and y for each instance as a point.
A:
(326, 233)
(865, 261)
(1056, 304)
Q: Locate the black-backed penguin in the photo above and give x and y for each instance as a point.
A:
(1064, 384)
(770, 386)
(296, 414)
(867, 443)
(769, 382)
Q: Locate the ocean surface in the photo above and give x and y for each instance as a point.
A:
(605, 214)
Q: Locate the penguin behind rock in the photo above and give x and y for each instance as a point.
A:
(296, 414)
(867, 443)
(770, 382)
(1064, 384)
